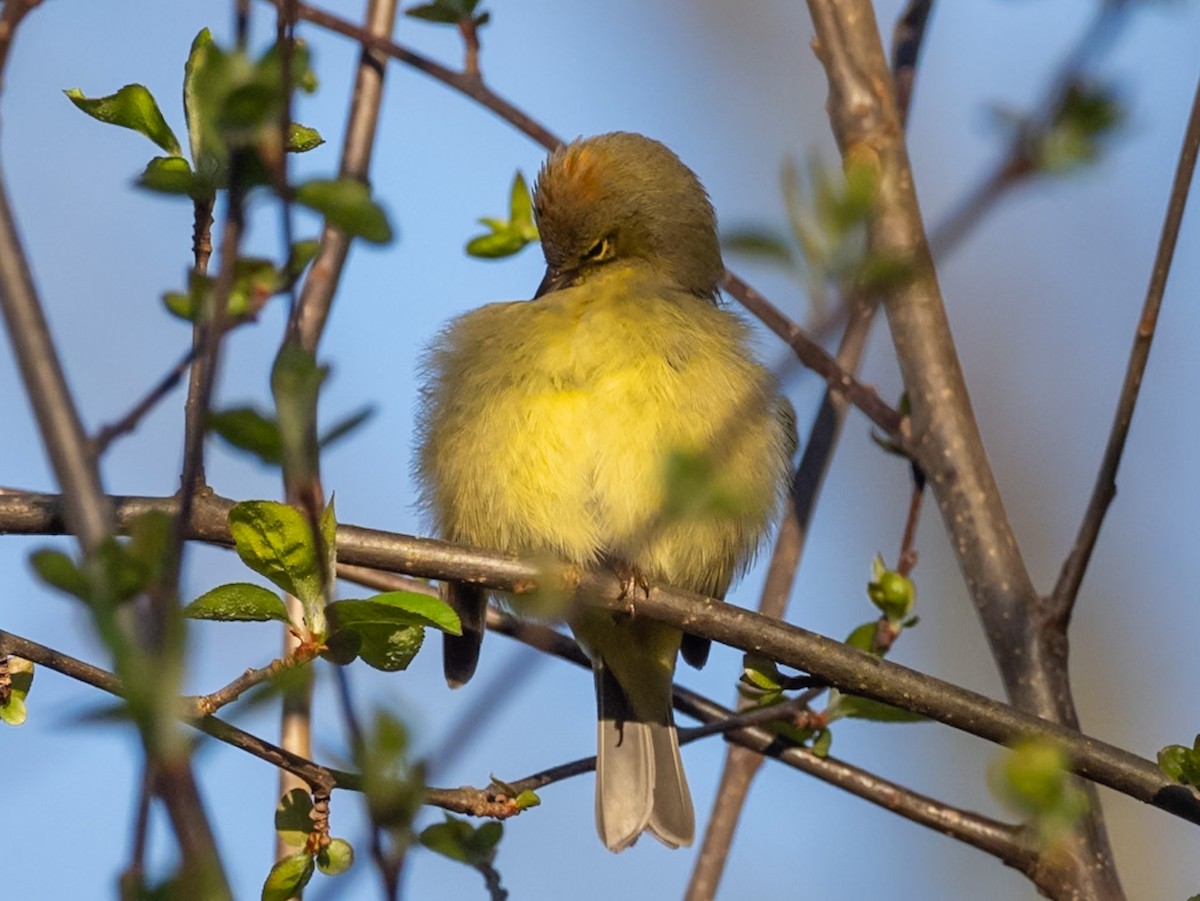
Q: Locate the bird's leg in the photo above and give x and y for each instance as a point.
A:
(632, 580)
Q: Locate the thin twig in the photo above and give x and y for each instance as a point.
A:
(205, 705)
(1066, 590)
(815, 357)
(471, 86)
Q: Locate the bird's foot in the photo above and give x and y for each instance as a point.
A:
(632, 580)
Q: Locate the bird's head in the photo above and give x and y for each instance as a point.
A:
(623, 197)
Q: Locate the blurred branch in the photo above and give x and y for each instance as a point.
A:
(1066, 590)
(835, 663)
(742, 763)
(11, 15)
(946, 441)
(471, 85)
(1016, 167)
(316, 298)
(907, 39)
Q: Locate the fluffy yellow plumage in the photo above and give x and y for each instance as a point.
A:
(554, 426)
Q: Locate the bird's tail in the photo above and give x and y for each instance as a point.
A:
(460, 653)
(640, 784)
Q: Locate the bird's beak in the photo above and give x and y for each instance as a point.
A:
(555, 280)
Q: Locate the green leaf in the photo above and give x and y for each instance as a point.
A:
(346, 425)
(863, 637)
(170, 175)
(293, 818)
(496, 246)
(1181, 764)
(759, 244)
(457, 839)
(20, 672)
(195, 111)
(59, 571)
(249, 430)
(238, 602)
(301, 254)
(131, 107)
(341, 648)
(854, 707)
(391, 637)
(288, 877)
(295, 383)
(329, 539)
(270, 67)
(275, 541)
(424, 610)
(761, 673)
(302, 139)
(520, 207)
(443, 12)
(346, 204)
(526, 799)
(822, 741)
(393, 787)
(505, 238)
(336, 857)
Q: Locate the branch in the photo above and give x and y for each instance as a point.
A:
(1066, 590)
(309, 314)
(86, 508)
(465, 83)
(812, 355)
(833, 662)
(946, 441)
(1012, 845)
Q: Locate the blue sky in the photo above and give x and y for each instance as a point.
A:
(1043, 299)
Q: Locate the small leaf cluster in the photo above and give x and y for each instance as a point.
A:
(234, 107)
(450, 12)
(474, 846)
(765, 684)
(1182, 763)
(16, 678)
(1033, 779)
(258, 433)
(506, 237)
(392, 784)
(275, 540)
(255, 281)
(117, 570)
(1076, 134)
(297, 828)
(232, 104)
(827, 211)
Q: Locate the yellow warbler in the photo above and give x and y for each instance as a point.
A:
(617, 418)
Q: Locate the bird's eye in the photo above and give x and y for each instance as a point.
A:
(599, 251)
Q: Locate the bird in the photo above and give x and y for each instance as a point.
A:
(619, 418)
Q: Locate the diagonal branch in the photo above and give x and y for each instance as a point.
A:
(834, 662)
(1066, 590)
